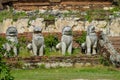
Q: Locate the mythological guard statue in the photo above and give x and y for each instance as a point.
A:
(11, 36)
(37, 42)
(91, 40)
(66, 41)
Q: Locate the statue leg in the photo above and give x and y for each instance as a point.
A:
(41, 50)
(58, 46)
(34, 48)
(8, 48)
(15, 51)
(83, 47)
(94, 51)
(70, 48)
(63, 48)
(88, 41)
(94, 48)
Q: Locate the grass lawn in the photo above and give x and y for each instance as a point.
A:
(89, 73)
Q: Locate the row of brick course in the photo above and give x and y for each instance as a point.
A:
(62, 61)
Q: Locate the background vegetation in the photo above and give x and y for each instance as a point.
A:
(89, 14)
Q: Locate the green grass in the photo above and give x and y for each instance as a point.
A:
(91, 73)
(25, 53)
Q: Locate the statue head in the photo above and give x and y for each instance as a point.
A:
(37, 30)
(11, 31)
(67, 30)
(91, 29)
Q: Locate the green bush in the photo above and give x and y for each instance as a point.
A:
(9, 14)
(82, 38)
(2, 41)
(18, 15)
(47, 16)
(104, 61)
(4, 15)
(88, 18)
(51, 41)
(22, 41)
(115, 9)
(4, 69)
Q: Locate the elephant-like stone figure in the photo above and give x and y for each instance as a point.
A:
(90, 45)
(37, 42)
(11, 36)
(91, 40)
(66, 40)
(113, 55)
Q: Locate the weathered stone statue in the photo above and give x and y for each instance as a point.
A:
(37, 42)
(66, 41)
(111, 52)
(11, 36)
(91, 40)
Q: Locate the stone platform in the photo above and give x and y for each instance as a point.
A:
(53, 62)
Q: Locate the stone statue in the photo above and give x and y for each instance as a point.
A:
(91, 40)
(37, 42)
(66, 40)
(11, 36)
(111, 52)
